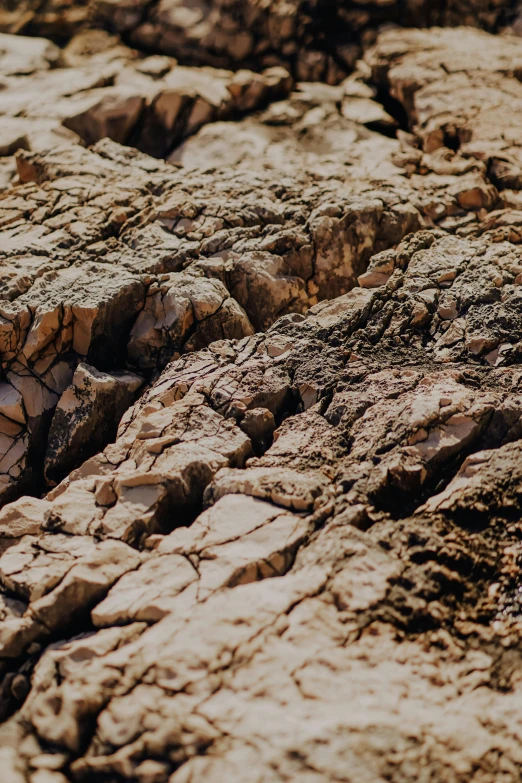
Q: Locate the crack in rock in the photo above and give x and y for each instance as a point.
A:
(264, 393)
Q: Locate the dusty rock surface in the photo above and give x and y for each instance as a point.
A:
(260, 396)
(468, 102)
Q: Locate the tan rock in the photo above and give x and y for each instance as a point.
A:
(465, 106)
(291, 521)
(87, 416)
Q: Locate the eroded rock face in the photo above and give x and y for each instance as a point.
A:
(320, 41)
(111, 256)
(87, 416)
(301, 585)
(97, 87)
(57, 19)
(309, 332)
(469, 103)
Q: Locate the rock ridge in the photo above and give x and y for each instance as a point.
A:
(260, 398)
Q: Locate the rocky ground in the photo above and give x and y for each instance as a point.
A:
(260, 393)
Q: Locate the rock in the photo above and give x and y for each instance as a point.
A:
(469, 109)
(23, 517)
(285, 487)
(321, 44)
(309, 497)
(367, 112)
(87, 417)
(480, 485)
(184, 312)
(116, 93)
(259, 425)
(56, 19)
(55, 575)
(388, 434)
(22, 56)
(144, 263)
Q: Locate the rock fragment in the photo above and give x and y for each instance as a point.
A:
(86, 417)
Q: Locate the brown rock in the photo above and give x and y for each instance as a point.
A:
(320, 43)
(87, 417)
(466, 102)
(315, 500)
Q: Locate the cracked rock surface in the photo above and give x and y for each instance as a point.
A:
(317, 40)
(260, 394)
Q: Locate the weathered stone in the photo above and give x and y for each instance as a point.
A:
(314, 501)
(459, 91)
(54, 18)
(321, 42)
(116, 93)
(87, 417)
(145, 263)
